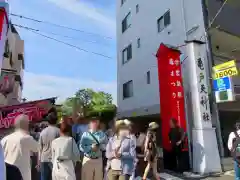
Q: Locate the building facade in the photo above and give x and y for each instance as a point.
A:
(143, 26)
(12, 69)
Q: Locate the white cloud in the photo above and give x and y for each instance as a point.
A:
(87, 10)
(38, 86)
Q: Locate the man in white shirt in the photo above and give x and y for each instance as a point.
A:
(231, 138)
(18, 146)
(2, 165)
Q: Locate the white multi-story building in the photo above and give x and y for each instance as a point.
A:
(141, 27)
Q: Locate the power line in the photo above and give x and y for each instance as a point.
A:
(68, 44)
(218, 12)
(58, 25)
(56, 34)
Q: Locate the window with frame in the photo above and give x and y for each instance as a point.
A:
(126, 22)
(127, 54)
(6, 50)
(128, 89)
(137, 8)
(164, 21)
(11, 60)
(148, 77)
(138, 42)
(123, 1)
(20, 57)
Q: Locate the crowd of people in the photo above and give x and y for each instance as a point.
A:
(74, 151)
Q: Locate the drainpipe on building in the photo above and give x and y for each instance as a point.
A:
(210, 65)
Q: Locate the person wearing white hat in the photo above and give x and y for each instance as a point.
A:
(134, 139)
(150, 151)
(121, 153)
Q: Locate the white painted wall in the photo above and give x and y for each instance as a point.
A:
(144, 26)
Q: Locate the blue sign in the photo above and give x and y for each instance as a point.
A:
(222, 84)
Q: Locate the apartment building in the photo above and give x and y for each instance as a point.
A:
(142, 26)
(12, 69)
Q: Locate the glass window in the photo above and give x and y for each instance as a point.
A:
(148, 77)
(128, 89)
(138, 43)
(123, 1)
(164, 21)
(137, 8)
(160, 23)
(167, 19)
(127, 54)
(126, 23)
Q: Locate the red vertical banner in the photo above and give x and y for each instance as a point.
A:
(2, 16)
(171, 90)
(3, 21)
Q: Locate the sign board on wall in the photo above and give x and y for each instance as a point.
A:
(171, 90)
(223, 89)
(7, 80)
(226, 69)
(34, 110)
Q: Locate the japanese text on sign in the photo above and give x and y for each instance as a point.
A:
(33, 112)
(175, 73)
(203, 90)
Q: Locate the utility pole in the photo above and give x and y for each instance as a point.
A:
(211, 63)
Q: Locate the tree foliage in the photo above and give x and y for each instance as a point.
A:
(89, 102)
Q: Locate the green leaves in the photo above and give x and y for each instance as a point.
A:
(88, 102)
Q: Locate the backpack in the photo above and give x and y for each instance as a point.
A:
(236, 147)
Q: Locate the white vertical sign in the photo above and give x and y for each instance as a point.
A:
(206, 157)
(198, 84)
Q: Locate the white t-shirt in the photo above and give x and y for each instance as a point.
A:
(230, 139)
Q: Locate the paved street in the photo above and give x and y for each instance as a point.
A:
(169, 176)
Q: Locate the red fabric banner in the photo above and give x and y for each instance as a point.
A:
(7, 81)
(3, 16)
(171, 90)
(34, 110)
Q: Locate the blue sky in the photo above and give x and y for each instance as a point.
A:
(54, 69)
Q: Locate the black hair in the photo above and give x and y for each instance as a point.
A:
(237, 126)
(174, 121)
(52, 118)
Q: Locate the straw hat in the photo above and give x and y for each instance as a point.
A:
(153, 126)
(120, 124)
(127, 122)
